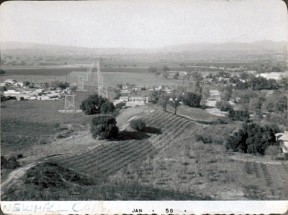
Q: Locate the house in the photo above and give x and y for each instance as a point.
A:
(20, 84)
(137, 101)
(10, 81)
(123, 98)
(272, 75)
(124, 91)
(11, 93)
(283, 139)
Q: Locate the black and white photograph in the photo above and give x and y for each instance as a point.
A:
(144, 100)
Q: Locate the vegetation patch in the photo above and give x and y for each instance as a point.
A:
(47, 175)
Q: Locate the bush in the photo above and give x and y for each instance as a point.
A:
(238, 115)
(137, 124)
(60, 84)
(107, 107)
(192, 99)
(104, 127)
(120, 105)
(19, 156)
(11, 163)
(204, 138)
(223, 105)
(92, 105)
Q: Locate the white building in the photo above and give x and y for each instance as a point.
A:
(283, 139)
(272, 75)
(10, 81)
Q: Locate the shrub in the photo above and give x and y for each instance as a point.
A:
(137, 124)
(203, 138)
(19, 156)
(92, 104)
(192, 99)
(104, 127)
(238, 115)
(120, 105)
(107, 107)
(223, 105)
(11, 163)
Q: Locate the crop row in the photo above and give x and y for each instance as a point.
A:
(109, 158)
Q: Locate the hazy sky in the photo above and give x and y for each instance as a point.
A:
(142, 24)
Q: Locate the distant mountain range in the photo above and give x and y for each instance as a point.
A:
(260, 47)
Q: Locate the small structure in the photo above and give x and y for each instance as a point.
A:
(10, 81)
(136, 101)
(272, 75)
(283, 139)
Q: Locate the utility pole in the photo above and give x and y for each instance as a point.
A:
(70, 103)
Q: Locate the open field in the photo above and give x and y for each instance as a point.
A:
(112, 76)
(29, 122)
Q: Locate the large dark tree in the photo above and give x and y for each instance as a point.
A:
(223, 105)
(104, 127)
(252, 138)
(92, 105)
(192, 99)
(107, 107)
(138, 124)
(175, 101)
(163, 101)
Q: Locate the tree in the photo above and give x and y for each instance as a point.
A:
(226, 94)
(92, 104)
(192, 99)
(244, 75)
(155, 96)
(73, 87)
(197, 76)
(138, 124)
(120, 105)
(176, 75)
(163, 101)
(252, 138)
(176, 99)
(107, 107)
(26, 83)
(205, 95)
(165, 74)
(104, 127)
(2, 72)
(223, 105)
(238, 115)
(165, 68)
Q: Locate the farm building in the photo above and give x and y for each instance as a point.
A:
(272, 75)
(283, 139)
(132, 101)
(171, 74)
(11, 93)
(137, 100)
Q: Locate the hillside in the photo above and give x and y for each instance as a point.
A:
(255, 48)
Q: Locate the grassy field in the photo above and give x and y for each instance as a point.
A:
(112, 76)
(26, 123)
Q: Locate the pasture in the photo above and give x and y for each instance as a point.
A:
(112, 75)
(26, 123)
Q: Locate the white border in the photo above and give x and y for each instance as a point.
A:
(144, 207)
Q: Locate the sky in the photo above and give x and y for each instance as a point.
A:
(142, 24)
